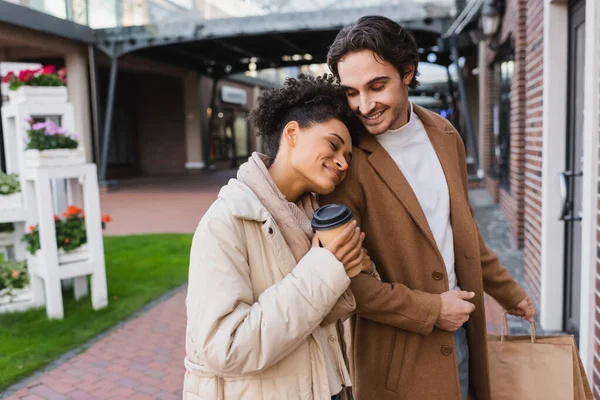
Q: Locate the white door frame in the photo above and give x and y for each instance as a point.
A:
(554, 121)
(590, 185)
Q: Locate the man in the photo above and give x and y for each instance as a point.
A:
(420, 332)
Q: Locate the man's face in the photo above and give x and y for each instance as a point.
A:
(375, 91)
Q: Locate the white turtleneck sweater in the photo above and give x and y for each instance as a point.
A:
(413, 153)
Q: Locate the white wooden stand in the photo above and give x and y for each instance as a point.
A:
(47, 190)
(46, 267)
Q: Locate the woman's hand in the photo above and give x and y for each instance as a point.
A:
(347, 248)
(365, 266)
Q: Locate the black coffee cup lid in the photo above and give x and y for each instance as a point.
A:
(331, 216)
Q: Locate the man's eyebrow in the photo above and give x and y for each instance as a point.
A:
(372, 81)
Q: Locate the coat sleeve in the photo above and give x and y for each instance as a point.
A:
(391, 304)
(497, 281)
(236, 335)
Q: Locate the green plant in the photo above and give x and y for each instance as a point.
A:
(13, 275)
(45, 76)
(70, 231)
(48, 136)
(7, 227)
(9, 184)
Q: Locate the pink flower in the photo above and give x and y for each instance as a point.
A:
(38, 126)
(29, 120)
(15, 274)
(48, 69)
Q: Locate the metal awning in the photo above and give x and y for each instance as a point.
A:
(222, 47)
(468, 15)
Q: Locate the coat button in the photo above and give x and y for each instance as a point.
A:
(446, 350)
(332, 338)
(437, 275)
(270, 231)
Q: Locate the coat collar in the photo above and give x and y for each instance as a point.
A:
(242, 202)
(442, 138)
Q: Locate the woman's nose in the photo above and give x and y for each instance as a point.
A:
(342, 165)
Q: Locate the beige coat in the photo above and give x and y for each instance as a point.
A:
(398, 352)
(253, 312)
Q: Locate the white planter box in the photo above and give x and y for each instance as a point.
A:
(54, 158)
(79, 254)
(7, 239)
(21, 300)
(11, 201)
(38, 94)
(17, 296)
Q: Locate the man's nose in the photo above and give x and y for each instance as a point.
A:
(366, 105)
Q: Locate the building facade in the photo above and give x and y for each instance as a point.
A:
(160, 125)
(539, 134)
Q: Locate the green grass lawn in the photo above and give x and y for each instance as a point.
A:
(139, 269)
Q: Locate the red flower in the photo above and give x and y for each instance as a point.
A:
(31, 228)
(48, 69)
(73, 210)
(106, 218)
(26, 75)
(56, 218)
(62, 73)
(8, 77)
(66, 240)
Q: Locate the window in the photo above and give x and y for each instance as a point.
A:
(503, 73)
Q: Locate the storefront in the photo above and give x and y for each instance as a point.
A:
(231, 139)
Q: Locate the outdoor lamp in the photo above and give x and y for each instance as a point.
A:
(490, 17)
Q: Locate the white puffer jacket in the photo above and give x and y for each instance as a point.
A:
(253, 314)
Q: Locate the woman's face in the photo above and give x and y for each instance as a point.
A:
(321, 154)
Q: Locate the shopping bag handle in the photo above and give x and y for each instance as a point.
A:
(506, 332)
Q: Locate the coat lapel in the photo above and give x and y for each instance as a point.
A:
(390, 174)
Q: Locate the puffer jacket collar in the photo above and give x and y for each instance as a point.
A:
(242, 202)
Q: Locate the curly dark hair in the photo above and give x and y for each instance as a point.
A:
(382, 36)
(307, 100)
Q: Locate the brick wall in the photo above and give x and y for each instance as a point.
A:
(161, 125)
(596, 373)
(488, 156)
(514, 202)
(534, 39)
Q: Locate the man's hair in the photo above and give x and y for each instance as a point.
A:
(384, 37)
(307, 100)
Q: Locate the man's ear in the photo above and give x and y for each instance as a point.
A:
(408, 77)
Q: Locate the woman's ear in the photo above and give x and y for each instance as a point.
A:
(290, 133)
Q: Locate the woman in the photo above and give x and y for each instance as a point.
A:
(262, 291)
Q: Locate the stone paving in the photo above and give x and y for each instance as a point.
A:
(143, 357)
(495, 229)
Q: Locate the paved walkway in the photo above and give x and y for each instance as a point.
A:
(161, 205)
(143, 359)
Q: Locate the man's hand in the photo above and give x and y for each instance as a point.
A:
(455, 310)
(525, 309)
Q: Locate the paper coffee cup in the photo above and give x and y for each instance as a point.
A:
(330, 220)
